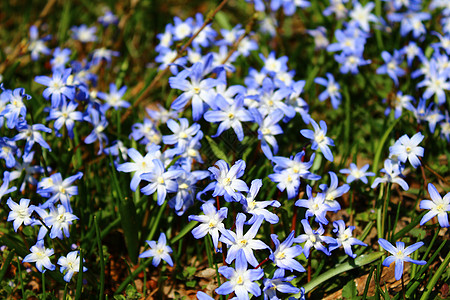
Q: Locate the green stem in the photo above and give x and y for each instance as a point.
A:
(366, 287)
(208, 250)
(415, 282)
(44, 295)
(20, 278)
(379, 208)
(432, 283)
(156, 222)
(396, 219)
(385, 208)
(65, 291)
(102, 261)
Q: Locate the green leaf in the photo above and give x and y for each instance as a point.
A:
(418, 233)
(380, 148)
(349, 291)
(222, 20)
(79, 291)
(128, 218)
(6, 264)
(350, 265)
(216, 150)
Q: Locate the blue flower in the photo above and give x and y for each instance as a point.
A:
(361, 15)
(338, 8)
(434, 117)
(344, 238)
(146, 131)
(84, 34)
(285, 254)
(333, 191)
(15, 110)
(8, 151)
(196, 88)
(400, 254)
(313, 238)
(406, 148)
(20, 213)
(36, 46)
(319, 138)
(4, 188)
(351, 62)
(211, 222)
(182, 133)
(278, 283)
(272, 65)
(438, 206)
(60, 58)
(41, 256)
(158, 251)
(70, 265)
(289, 6)
(268, 128)
(186, 192)
(241, 280)
(226, 181)
(411, 21)
(229, 115)
(400, 101)
(140, 165)
(58, 88)
(332, 90)
(103, 54)
(31, 134)
(350, 41)
(182, 29)
(257, 208)
(114, 98)
(288, 172)
(245, 242)
(98, 120)
(65, 114)
(316, 206)
(392, 174)
(160, 180)
(392, 65)
(108, 18)
(59, 220)
(58, 189)
(412, 51)
(357, 174)
(320, 37)
(271, 100)
(436, 82)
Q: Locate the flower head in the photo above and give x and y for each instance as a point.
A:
(211, 222)
(41, 256)
(240, 279)
(158, 250)
(319, 138)
(400, 254)
(438, 206)
(357, 174)
(407, 149)
(70, 265)
(20, 213)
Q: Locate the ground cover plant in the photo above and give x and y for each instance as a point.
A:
(225, 149)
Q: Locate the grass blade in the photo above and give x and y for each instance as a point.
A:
(102, 261)
(358, 262)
